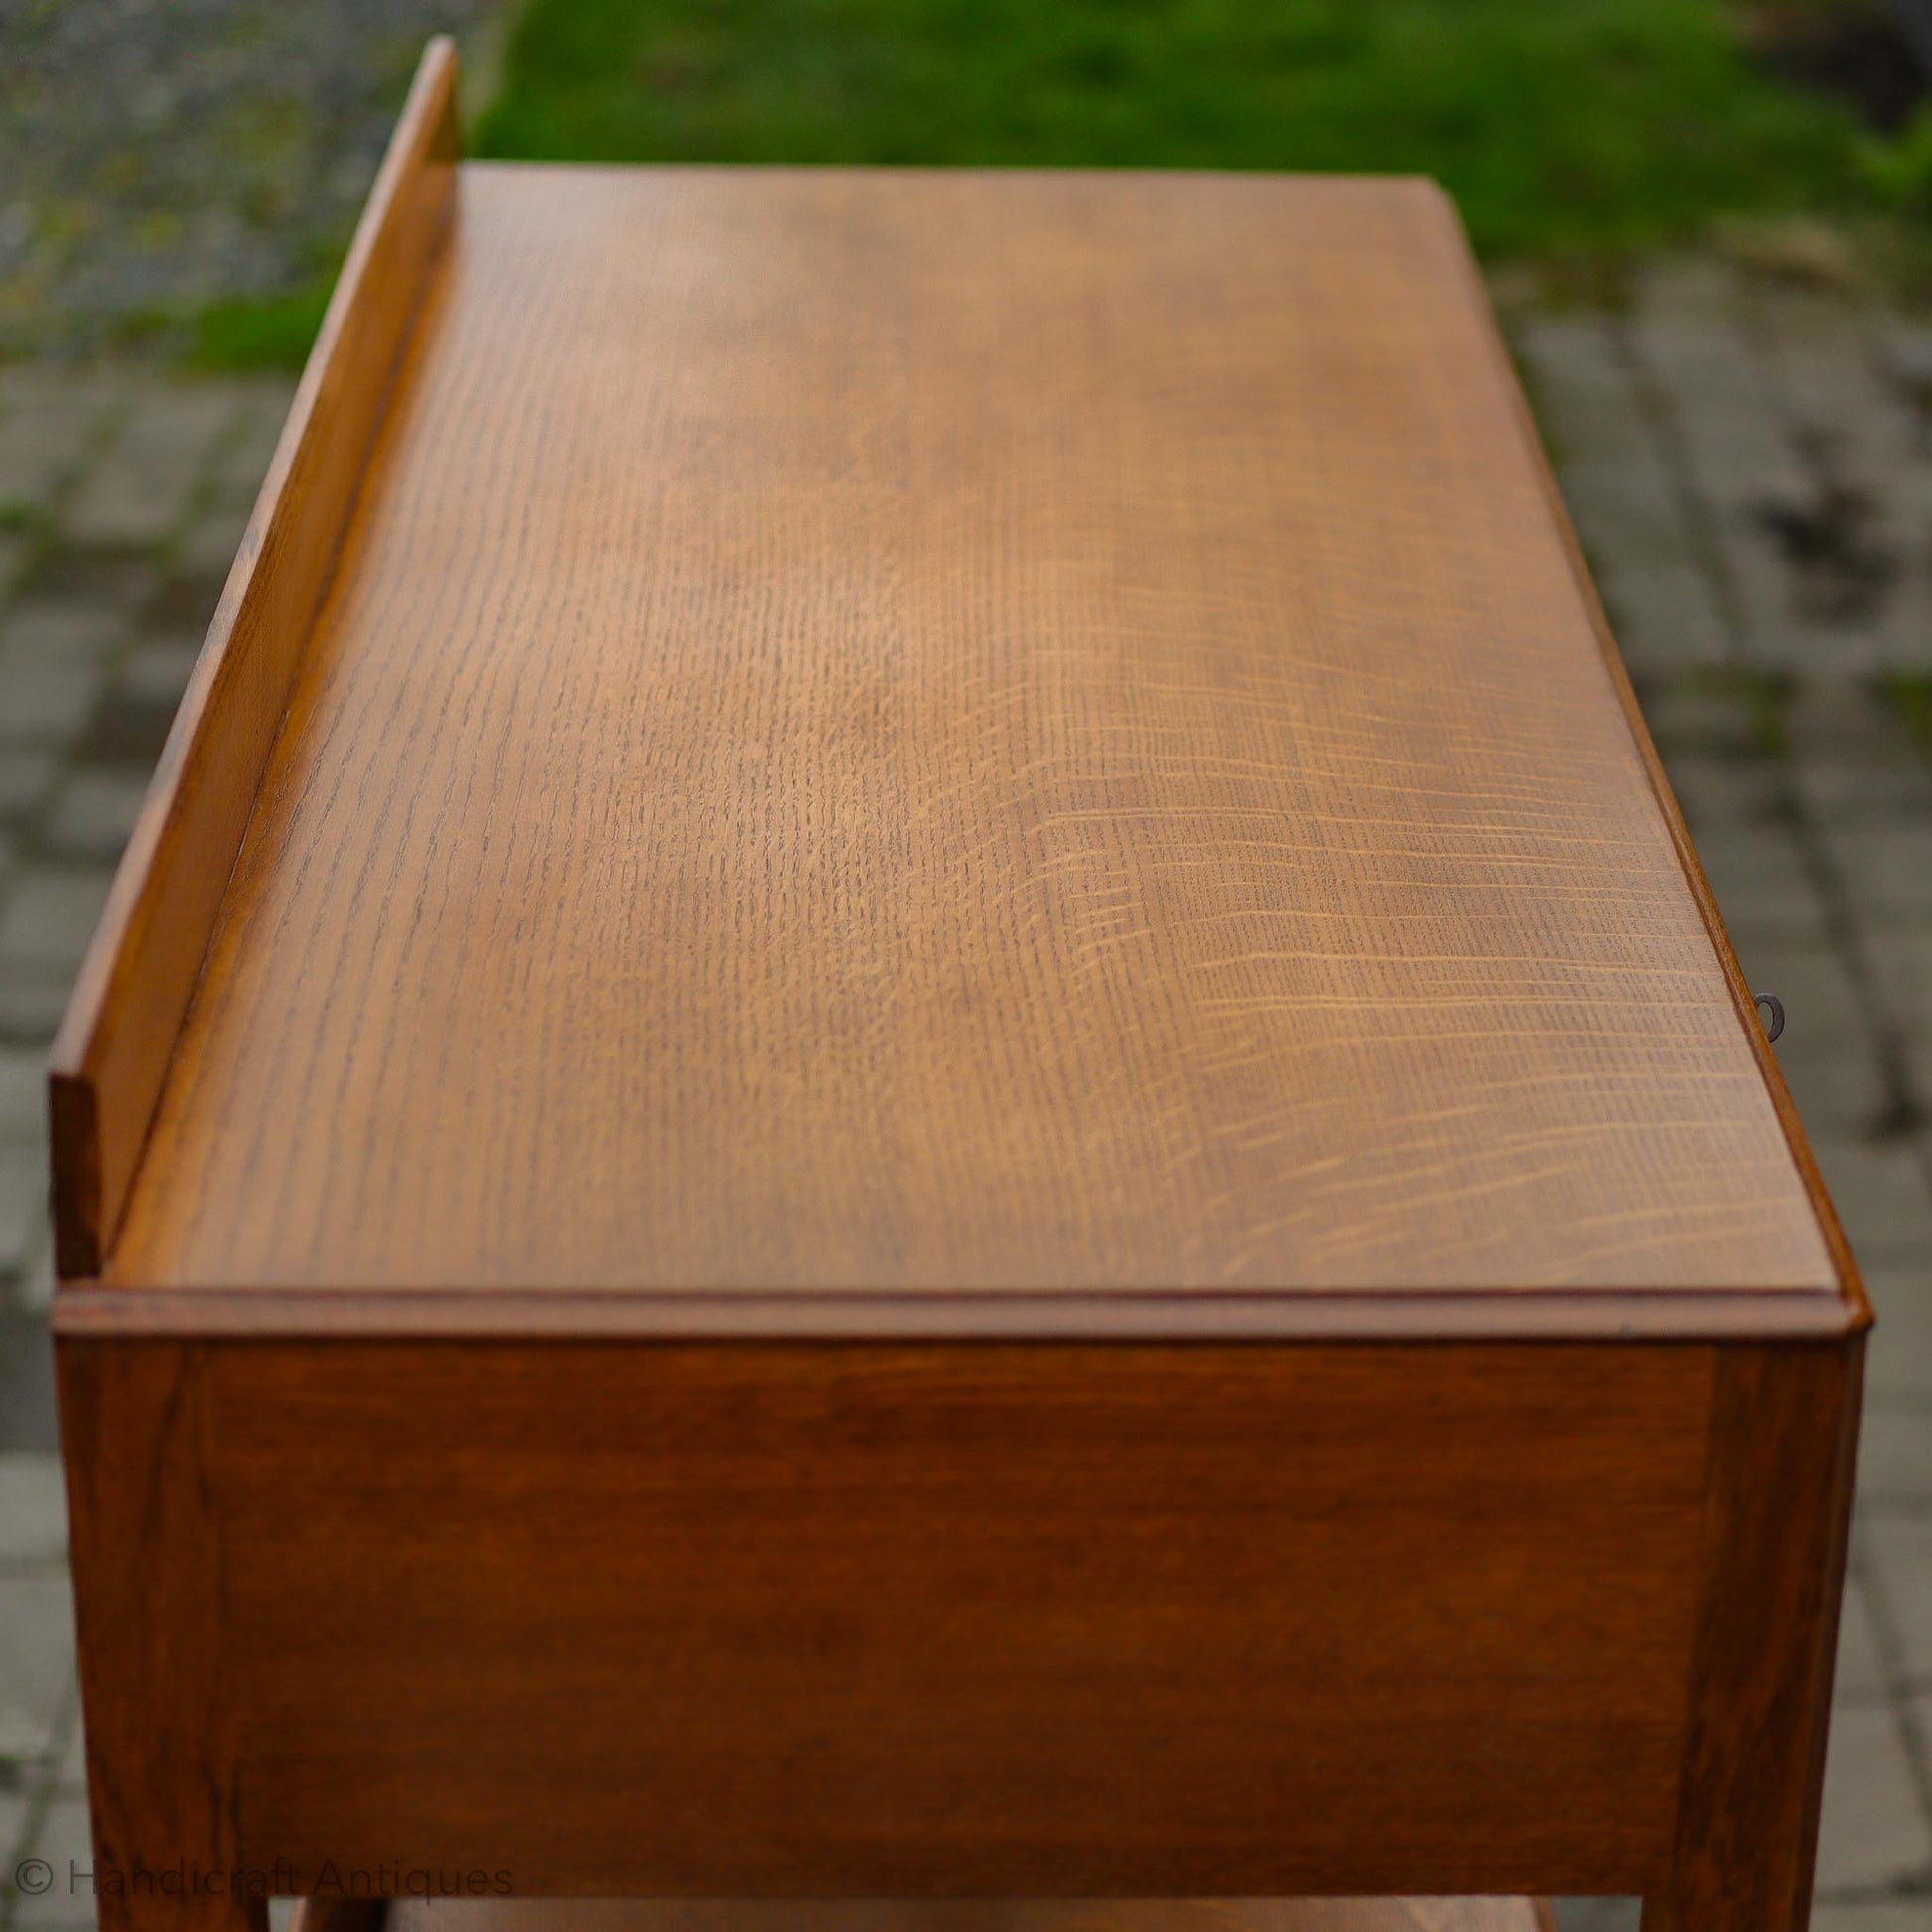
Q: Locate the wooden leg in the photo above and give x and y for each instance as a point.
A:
(1777, 1507)
(144, 1912)
(146, 1573)
(340, 1915)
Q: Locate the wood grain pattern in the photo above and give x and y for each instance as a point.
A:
(340, 1914)
(1843, 1264)
(146, 1556)
(111, 1055)
(823, 1621)
(1778, 1505)
(963, 734)
(961, 1915)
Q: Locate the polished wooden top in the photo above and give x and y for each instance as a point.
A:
(903, 733)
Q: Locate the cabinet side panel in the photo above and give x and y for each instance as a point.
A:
(813, 1619)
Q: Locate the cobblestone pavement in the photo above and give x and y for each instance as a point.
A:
(1750, 468)
(156, 156)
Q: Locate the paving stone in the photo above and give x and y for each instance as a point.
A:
(1895, 1458)
(211, 544)
(1708, 716)
(1843, 1095)
(1689, 291)
(181, 609)
(1874, 1834)
(1715, 792)
(52, 669)
(93, 813)
(1865, 442)
(1916, 1053)
(1853, 760)
(1662, 611)
(1830, 1051)
(74, 389)
(1897, 1553)
(43, 437)
(1684, 333)
(28, 1417)
(16, 546)
(66, 1842)
(1918, 1715)
(1879, 1191)
(26, 777)
(1616, 483)
(50, 916)
(34, 1285)
(263, 411)
(1597, 1914)
(33, 1510)
(1898, 1357)
(1835, 1094)
(1625, 512)
(1858, 1676)
(1905, 347)
(16, 1813)
(1852, 721)
(70, 1773)
(1856, 794)
(1887, 870)
(23, 1094)
(1823, 1012)
(1759, 875)
(32, 999)
(138, 492)
(120, 580)
(1901, 962)
(33, 996)
(157, 159)
(80, 602)
(141, 703)
(22, 1203)
(1586, 402)
(36, 1664)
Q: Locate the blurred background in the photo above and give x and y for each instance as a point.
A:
(1707, 224)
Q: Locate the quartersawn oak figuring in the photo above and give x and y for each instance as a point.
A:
(927, 733)
(910, 1087)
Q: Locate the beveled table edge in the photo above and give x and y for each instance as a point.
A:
(86, 1309)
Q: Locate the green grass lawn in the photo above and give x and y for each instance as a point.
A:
(1572, 131)
(1561, 126)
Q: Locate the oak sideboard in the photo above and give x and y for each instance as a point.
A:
(911, 1087)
